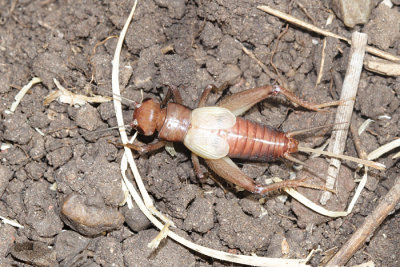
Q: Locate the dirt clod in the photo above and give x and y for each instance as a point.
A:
(88, 118)
(5, 176)
(68, 244)
(200, 217)
(35, 253)
(169, 254)
(135, 219)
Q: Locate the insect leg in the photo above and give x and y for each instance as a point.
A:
(228, 170)
(242, 101)
(295, 99)
(207, 91)
(144, 148)
(196, 165)
(173, 91)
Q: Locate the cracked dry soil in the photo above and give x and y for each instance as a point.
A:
(64, 186)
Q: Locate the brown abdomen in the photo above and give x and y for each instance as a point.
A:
(249, 140)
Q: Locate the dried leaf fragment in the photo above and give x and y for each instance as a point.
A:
(64, 96)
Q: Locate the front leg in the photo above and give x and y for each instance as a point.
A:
(143, 148)
(228, 170)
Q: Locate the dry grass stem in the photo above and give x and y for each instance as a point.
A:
(344, 112)
(320, 31)
(64, 96)
(22, 92)
(321, 67)
(311, 205)
(11, 222)
(384, 149)
(382, 66)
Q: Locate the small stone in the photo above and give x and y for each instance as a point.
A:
(353, 12)
(89, 220)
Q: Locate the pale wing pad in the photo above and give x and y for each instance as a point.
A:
(212, 118)
(206, 143)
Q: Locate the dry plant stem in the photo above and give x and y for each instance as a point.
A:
(262, 65)
(357, 143)
(282, 80)
(343, 114)
(382, 66)
(118, 111)
(23, 91)
(92, 55)
(373, 220)
(149, 211)
(321, 67)
(313, 28)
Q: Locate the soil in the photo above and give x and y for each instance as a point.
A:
(64, 186)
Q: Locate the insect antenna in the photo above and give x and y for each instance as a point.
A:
(372, 164)
(298, 132)
(127, 126)
(309, 168)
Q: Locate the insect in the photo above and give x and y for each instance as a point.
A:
(216, 133)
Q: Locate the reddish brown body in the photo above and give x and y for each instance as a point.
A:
(246, 139)
(249, 140)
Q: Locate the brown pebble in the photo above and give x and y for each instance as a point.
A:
(89, 220)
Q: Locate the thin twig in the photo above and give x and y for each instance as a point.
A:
(321, 67)
(262, 65)
(343, 114)
(308, 26)
(373, 220)
(357, 143)
(273, 54)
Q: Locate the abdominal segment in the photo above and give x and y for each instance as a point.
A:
(249, 140)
